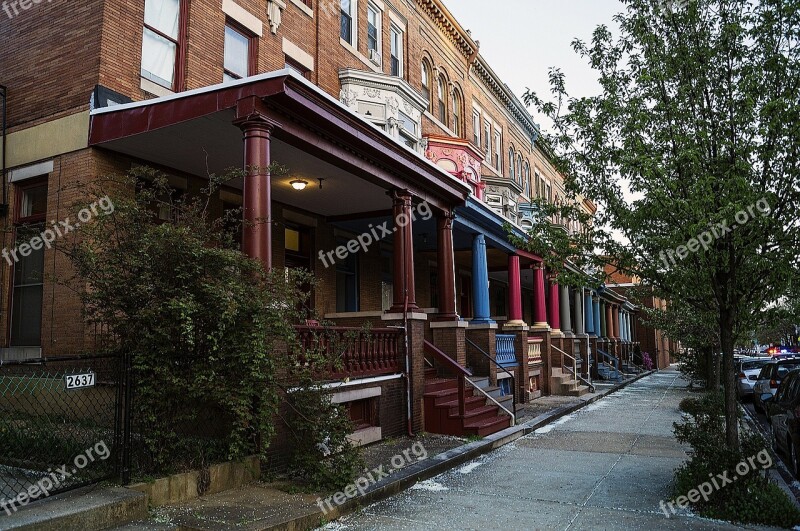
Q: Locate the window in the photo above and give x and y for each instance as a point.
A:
(441, 92)
(487, 139)
(297, 67)
(408, 130)
(396, 42)
(347, 283)
(456, 122)
(498, 149)
(537, 184)
(426, 82)
(347, 34)
(519, 169)
(374, 34)
(527, 177)
(28, 276)
(511, 174)
(240, 52)
(163, 42)
(476, 128)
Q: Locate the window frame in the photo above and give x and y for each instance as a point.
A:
(427, 73)
(498, 146)
(353, 19)
(378, 31)
(441, 94)
(394, 29)
(252, 49)
(179, 74)
(455, 107)
(476, 128)
(511, 158)
(487, 140)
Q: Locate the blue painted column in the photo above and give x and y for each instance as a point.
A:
(589, 310)
(596, 304)
(480, 281)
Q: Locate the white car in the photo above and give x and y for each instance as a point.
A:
(769, 379)
(747, 371)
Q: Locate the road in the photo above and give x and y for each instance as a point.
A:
(608, 466)
(783, 469)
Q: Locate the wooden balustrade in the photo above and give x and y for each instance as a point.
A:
(534, 350)
(355, 352)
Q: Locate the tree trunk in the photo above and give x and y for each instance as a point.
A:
(729, 381)
(712, 368)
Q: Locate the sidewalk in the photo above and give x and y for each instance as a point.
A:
(273, 506)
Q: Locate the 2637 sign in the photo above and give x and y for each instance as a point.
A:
(80, 381)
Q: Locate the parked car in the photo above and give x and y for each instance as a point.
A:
(784, 408)
(747, 371)
(769, 379)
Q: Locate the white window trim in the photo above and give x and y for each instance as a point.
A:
(354, 19)
(379, 21)
(400, 50)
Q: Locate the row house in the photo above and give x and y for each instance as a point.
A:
(381, 110)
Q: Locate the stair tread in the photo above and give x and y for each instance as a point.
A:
(480, 411)
(484, 423)
(469, 400)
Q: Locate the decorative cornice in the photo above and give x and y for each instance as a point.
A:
(384, 82)
(447, 23)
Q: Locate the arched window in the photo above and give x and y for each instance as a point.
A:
(520, 176)
(441, 92)
(456, 121)
(511, 165)
(426, 82)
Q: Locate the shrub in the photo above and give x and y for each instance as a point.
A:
(647, 361)
(752, 498)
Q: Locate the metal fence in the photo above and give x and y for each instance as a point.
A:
(60, 423)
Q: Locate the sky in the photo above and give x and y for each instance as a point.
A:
(522, 39)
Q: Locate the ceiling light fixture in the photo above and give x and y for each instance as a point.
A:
(299, 184)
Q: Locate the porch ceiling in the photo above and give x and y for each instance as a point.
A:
(211, 144)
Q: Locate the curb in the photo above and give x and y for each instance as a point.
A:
(437, 464)
(779, 472)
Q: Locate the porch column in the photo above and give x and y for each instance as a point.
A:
(404, 289)
(555, 311)
(603, 320)
(446, 269)
(610, 321)
(589, 310)
(566, 317)
(596, 317)
(514, 292)
(580, 323)
(480, 281)
(616, 315)
(539, 306)
(257, 193)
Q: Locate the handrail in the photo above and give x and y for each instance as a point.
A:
(498, 404)
(513, 380)
(574, 365)
(461, 373)
(610, 358)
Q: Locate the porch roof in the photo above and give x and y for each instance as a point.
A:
(317, 137)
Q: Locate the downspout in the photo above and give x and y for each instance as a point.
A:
(4, 206)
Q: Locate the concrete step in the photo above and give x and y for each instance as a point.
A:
(580, 391)
(87, 509)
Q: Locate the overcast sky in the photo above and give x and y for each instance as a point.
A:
(522, 39)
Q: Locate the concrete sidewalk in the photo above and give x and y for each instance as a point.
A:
(263, 506)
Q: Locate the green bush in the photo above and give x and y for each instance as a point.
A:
(752, 498)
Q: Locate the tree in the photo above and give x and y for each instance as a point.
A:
(692, 152)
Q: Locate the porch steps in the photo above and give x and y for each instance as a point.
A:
(564, 384)
(481, 417)
(608, 372)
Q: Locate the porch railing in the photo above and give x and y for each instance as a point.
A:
(566, 366)
(356, 352)
(500, 367)
(534, 350)
(505, 352)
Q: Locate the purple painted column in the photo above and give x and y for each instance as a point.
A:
(555, 306)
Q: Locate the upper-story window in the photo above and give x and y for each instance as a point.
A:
(537, 183)
(520, 176)
(527, 177)
(511, 157)
(498, 149)
(441, 92)
(348, 21)
(163, 42)
(240, 52)
(487, 139)
(396, 50)
(456, 121)
(426, 82)
(374, 34)
(476, 128)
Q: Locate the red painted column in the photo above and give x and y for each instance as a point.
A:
(539, 305)
(446, 268)
(514, 292)
(257, 194)
(555, 306)
(610, 321)
(404, 288)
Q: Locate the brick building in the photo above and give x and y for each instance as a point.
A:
(380, 109)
